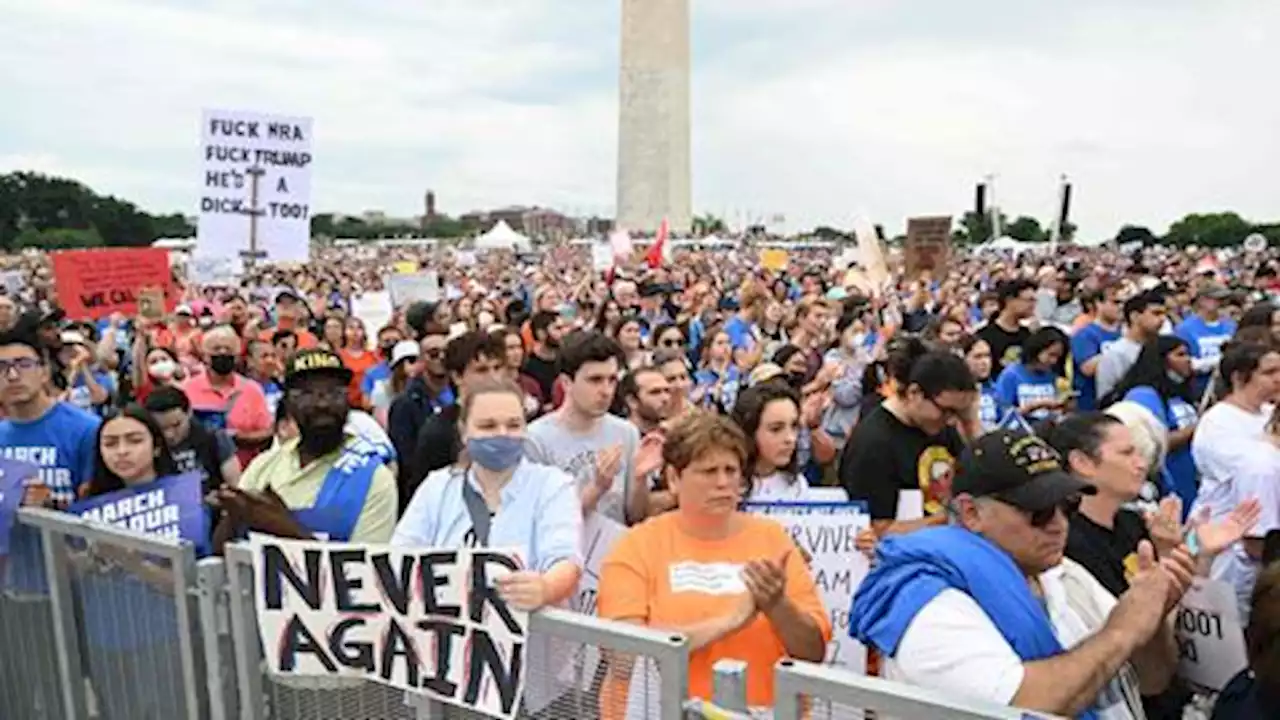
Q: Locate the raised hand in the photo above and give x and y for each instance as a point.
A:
(649, 456)
(1216, 537)
(1165, 525)
(608, 463)
(766, 580)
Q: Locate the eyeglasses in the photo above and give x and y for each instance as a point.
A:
(323, 394)
(20, 365)
(433, 353)
(948, 412)
(672, 342)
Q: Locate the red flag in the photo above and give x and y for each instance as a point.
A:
(656, 252)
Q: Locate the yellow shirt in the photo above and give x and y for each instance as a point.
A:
(278, 469)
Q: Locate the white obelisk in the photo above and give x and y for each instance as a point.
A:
(653, 117)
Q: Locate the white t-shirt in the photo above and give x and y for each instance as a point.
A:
(793, 487)
(1257, 476)
(952, 646)
(1224, 438)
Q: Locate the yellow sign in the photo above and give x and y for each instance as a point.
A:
(405, 267)
(773, 259)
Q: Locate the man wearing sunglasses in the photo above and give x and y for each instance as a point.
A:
(989, 608)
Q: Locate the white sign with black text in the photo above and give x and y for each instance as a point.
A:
(1210, 637)
(255, 179)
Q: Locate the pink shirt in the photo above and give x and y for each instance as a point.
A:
(238, 408)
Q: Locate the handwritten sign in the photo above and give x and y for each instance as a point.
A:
(928, 245)
(1210, 637)
(827, 533)
(255, 179)
(96, 283)
(408, 289)
(773, 259)
(169, 507)
(429, 621)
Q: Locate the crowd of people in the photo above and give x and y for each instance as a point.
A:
(1050, 448)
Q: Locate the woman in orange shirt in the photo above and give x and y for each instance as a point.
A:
(356, 356)
(735, 584)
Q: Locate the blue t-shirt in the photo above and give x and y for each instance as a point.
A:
(1088, 343)
(1180, 466)
(1017, 386)
(62, 444)
(740, 333)
(374, 375)
(273, 392)
(706, 378)
(1205, 339)
(989, 406)
(78, 394)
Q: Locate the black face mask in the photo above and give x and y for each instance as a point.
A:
(796, 379)
(387, 350)
(222, 364)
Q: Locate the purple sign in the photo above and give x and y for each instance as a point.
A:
(170, 507)
(12, 486)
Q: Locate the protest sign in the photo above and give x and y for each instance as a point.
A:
(213, 271)
(374, 309)
(827, 533)
(773, 259)
(405, 267)
(255, 178)
(601, 256)
(96, 283)
(13, 478)
(170, 507)
(407, 289)
(928, 245)
(424, 620)
(1210, 637)
(465, 258)
(12, 282)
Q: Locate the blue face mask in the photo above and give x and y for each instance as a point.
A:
(497, 453)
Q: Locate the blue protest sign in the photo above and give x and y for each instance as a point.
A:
(170, 507)
(13, 474)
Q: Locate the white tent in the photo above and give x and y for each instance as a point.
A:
(502, 237)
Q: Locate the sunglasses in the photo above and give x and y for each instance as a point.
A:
(672, 342)
(1041, 518)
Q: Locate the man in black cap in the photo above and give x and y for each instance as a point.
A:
(989, 608)
(325, 483)
(292, 314)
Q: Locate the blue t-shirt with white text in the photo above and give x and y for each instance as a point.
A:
(1018, 385)
(1088, 343)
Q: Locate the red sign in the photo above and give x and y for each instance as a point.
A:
(95, 283)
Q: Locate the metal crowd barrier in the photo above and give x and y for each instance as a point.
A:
(106, 624)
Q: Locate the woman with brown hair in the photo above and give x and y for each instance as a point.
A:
(732, 582)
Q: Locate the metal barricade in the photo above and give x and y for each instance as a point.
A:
(819, 692)
(578, 665)
(104, 618)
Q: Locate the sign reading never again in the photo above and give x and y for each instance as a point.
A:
(425, 620)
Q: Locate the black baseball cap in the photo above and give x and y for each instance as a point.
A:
(1017, 468)
(287, 294)
(316, 361)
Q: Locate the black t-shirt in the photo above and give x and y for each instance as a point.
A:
(1006, 347)
(543, 371)
(437, 447)
(885, 456)
(1110, 555)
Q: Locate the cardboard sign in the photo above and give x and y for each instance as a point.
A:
(424, 620)
(1210, 637)
(170, 507)
(773, 259)
(255, 179)
(96, 283)
(408, 289)
(928, 246)
(13, 478)
(826, 532)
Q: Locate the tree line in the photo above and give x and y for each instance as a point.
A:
(39, 211)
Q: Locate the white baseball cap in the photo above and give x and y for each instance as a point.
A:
(405, 350)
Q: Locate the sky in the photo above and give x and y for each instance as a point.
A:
(817, 110)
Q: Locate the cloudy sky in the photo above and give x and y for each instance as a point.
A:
(818, 109)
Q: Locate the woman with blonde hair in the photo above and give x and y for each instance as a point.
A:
(735, 584)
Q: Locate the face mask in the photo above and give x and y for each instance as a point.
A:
(796, 379)
(497, 453)
(163, 370)
(222, 364)
(387, 350)
(1176, 377)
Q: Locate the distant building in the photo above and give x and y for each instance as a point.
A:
(531, 221)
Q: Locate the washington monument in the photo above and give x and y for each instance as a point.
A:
(653, 117)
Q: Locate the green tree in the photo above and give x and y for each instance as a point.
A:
(824, 232)
(1136, 233)
(708, 224)
(975, 229)
(1026, 229)
(58, 239)
(1209, 230)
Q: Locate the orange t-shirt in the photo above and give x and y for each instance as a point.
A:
(358, 364)
(660, 576)
(306, 340)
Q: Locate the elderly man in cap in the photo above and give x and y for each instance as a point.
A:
(988, 607)
(325, 483)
